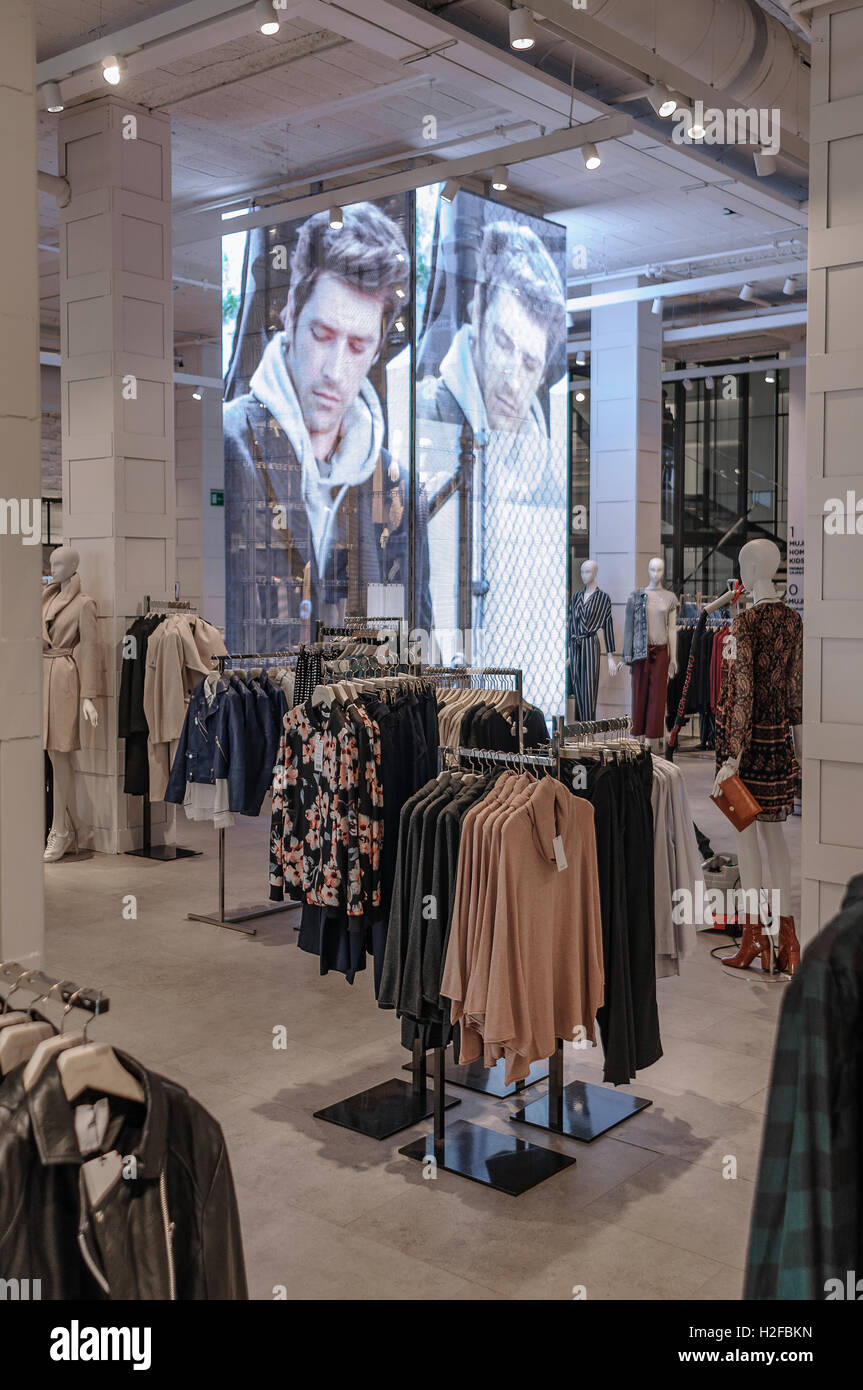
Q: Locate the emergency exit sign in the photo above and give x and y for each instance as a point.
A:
(217, 499)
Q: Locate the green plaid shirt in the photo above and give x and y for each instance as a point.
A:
(807, 1225)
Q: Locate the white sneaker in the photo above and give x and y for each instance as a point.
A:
(58, 845)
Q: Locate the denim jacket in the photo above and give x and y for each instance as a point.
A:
(212, 746)
(635, 627)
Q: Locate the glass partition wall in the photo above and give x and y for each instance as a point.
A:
(725, 466)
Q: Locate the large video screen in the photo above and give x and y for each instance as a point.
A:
(492, 425)
(397, 459)
(317, 354)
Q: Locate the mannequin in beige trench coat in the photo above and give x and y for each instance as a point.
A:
(70, 681)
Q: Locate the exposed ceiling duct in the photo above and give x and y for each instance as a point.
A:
(732, 46)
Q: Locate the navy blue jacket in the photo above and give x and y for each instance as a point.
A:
(212, 746)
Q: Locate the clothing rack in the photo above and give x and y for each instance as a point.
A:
(234, 921)
(581, 1110)
(92, 1000)
(456, 673)
(166, 854)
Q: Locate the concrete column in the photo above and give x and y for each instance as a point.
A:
(116, 324)
(22, 798)
(200, 475)
(833, 624)
(625, 461)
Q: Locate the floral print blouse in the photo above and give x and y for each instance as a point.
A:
(326, 831)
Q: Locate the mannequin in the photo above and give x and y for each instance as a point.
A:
(70, 681)
(650, 648)
(763, 691)
(589, 613)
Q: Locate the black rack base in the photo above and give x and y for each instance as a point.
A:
(498, 1161)
(164, 853)
(583, 1111)
(489, 1081)
(382, 1110)
(233, 920)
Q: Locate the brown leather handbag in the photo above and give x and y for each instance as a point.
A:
(737, 803)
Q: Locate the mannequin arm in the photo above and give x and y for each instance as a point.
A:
(728, 769)
(90, 712)
(614, 666)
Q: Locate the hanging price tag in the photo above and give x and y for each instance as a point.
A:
(560, 856)
(319, 754)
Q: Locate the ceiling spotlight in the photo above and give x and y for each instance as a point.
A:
(591, 156)
(449, 190)
(662, 100)
(580, 396)
(522, 31)
(500, 178)
(770, 377)
(197, 394)
(746, 291)
(709, 383)
(790, 286)
(400, 325)
(112, 70)
(581, 359)
(765, 164)
(402, 293)
(337, 219)
(656, 306)
(266, 17)
(51, 96)
(687, 384)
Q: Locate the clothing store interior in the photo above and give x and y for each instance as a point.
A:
(428, 846)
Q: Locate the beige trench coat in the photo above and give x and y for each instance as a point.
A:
(70, 662)
(179, 655)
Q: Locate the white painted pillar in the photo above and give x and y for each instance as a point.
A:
(625, 462)
(833, 623)
(22, 797)
(116, 325)
(200, 474)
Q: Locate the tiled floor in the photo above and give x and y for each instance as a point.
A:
(649, 1211)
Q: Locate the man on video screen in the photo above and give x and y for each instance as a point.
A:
(304, 448)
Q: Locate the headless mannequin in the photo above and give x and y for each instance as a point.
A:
(64, 564)
(589, 571)
(759, 561)
(661, 624)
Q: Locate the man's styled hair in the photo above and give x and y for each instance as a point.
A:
(368, 251)
(514, 258)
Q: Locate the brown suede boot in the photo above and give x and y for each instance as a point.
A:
(789, 946)
(753, 941)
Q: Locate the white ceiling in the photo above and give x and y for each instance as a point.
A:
(247, 116)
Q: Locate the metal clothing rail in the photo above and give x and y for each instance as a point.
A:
(165, 854)
(38, 983)
(579, 1111)
(234, 921)
(456, 673)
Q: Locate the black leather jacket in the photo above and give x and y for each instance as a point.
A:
(171, 1232)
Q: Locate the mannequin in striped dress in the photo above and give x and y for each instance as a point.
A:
(589, 613)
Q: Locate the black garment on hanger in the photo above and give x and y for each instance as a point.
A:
(629, 1018)
(131, 720)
